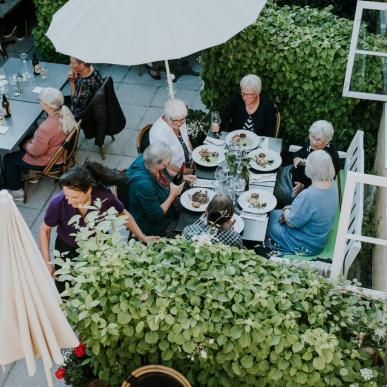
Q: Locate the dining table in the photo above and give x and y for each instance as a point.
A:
(25, 108)
(255, 227)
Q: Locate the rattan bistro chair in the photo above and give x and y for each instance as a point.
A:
(156, 376)
(53, 170)
(142, 141)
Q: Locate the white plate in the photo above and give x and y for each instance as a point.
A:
(239, 224)
(265, 197)
(270, 155)
(213, 161)
(186, 200)
(251, 141)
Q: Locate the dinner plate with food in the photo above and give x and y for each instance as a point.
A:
(257, 201)
(245, 138)
(264, 160)
(196, 199)
(208, 155)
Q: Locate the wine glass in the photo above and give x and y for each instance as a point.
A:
(215, 124)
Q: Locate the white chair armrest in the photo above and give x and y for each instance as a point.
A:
(294, 148)
(342, 154)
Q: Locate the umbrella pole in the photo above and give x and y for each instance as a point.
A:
(169, 79)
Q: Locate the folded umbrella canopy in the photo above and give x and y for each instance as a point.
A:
(31, 321)
(131, 32)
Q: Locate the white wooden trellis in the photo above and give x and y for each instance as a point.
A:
(349, 235)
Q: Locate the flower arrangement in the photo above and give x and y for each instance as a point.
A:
(77, 370)
(198, 123)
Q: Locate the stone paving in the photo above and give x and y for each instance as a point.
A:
(141, 99)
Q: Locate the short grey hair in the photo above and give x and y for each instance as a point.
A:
(322, 128)
(155, 153)
(252, 82)
(175, 108)
(319, 166)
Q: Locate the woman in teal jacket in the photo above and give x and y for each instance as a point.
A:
(152, 194)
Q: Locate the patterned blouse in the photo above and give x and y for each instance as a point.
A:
(219, 235)
(85, 88)
(249, 124)
(187, 153)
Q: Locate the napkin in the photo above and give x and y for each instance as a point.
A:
(263, 143)
(249, 215)
(3, 129)
(262, 177)
(37, 89)
(204, 183)
(214, 141)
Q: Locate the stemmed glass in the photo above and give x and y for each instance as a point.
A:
(215, 123)
(14, 80)
(239, 188)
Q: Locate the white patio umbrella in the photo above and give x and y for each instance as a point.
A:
(131, 32)
(31, 321)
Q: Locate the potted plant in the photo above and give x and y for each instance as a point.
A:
(198, 123)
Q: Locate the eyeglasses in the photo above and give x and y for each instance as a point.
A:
(318, 140)
(178, 121)
(243, 94)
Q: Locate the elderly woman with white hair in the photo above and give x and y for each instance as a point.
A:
(250, 110)
(305, 224)
(37, 151)
(171, 129)
(292, 179)
(152, 195)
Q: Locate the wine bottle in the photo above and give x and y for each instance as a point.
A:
(35, 64)
(6, 107)
(178, 179)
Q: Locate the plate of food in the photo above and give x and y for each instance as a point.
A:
(257, 201)
(264, 160)
(197, 199)
(239, 224)
(208, 155)
(245, 138)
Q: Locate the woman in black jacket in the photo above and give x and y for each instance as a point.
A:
(250, 110)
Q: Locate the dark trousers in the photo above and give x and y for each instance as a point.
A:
(65, 251)
(13, 164)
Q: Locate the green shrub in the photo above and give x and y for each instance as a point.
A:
(342, 8)
(45, 9)
(220, 315)
(301, 56)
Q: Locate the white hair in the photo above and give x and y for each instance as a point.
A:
(175, 108)
(319, 166)
(252, 82)
(322, 128)
(54, 99)
(156, 152)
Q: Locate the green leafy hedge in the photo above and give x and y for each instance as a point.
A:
(301, 56)
(220, 315)
(45, 9)
(342, 8)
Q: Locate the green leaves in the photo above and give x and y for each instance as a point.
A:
(166, 304)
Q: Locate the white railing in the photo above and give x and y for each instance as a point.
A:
(349, 235)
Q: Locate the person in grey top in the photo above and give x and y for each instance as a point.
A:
(216, 222)
(304, 226)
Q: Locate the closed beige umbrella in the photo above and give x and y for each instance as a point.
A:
(31, 321)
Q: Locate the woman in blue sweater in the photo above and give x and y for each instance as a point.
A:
(152, 195)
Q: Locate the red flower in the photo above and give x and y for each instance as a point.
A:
(60, 372)
(80, 350)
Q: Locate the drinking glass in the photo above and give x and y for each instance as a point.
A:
(215, 123)
(221, 178)
(3, 82)
(26, 74)
(43, 71)
(1, 117)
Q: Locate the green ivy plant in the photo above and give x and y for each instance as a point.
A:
(45, 9)
(220, 315)
(301, 56)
